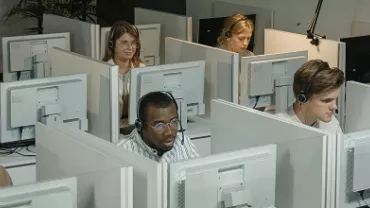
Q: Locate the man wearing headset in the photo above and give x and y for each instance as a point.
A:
(316, 88)
(156, 134)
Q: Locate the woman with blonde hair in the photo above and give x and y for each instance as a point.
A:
(123, 49)
(236, 34)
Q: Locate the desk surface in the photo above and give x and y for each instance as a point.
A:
(198, 128)
(15, 159)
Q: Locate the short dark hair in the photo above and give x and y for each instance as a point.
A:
(316, 77)
(157, 99)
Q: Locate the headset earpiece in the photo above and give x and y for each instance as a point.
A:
(302, 97)
(228, 34)
(138, 125)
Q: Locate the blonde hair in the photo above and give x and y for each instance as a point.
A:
(118, 29)
(316, 77)
(237, 23)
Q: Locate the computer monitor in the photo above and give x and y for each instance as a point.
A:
(150, 35)
(267, 80)
(184, 80)
(27, 57)
(49, 100)
(244, 178)
(357, 56)
(61, 193)
(210, 28)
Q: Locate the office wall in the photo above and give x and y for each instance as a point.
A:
(334, 21)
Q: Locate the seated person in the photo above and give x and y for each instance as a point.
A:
(123, 49)
(5, 179)
(155, 135)
(316, 87)
(236, 35)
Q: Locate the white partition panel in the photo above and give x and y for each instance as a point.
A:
(85, 36)
(60, 151)
(357, 107)
(102, 90)
(172, 25)
(333, 52)
(222, 68)
(264, 19)
(305, 156)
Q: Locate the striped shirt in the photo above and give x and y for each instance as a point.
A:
(134, 143)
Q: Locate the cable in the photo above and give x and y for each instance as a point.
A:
(257, 99)
(361, 193)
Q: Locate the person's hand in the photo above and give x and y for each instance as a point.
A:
(5, 179)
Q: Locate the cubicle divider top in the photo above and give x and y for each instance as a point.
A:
(264, 19)
(63, 151)
(85, 36)
(333, 52)
(305, 175)
(357, 107)
(221, 71)
(102, 90)
(102, 180)
(150, 37)
(172, 25)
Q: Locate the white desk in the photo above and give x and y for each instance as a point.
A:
(22, 169)
(199, 131)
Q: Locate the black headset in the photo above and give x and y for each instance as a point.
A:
(229, 31)
(303, 97)
(139, 122)
(111, 42)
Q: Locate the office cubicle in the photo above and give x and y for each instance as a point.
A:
(221, 72)
(172, 25)
(102, 90)
(306, 156)
(333, 52)
(65, 151)
(102, 179)
(85, 36)
(264, 19)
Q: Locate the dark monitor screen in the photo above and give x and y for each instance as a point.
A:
(210, 28)
(357, 58)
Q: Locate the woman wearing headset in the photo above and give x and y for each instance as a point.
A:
(236, 35)
(316, 87)
(123, 49)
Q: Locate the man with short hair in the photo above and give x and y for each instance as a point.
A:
(316, 88)
(156, 134)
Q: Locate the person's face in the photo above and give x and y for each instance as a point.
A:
(239, 42)
(125, 47)
(322, 106)
(162, 138)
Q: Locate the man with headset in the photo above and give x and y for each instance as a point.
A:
(156, 134)
(316, 87)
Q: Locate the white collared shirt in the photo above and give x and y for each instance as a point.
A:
(332, 126)
(134, 143)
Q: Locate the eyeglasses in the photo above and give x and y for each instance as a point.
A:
(160, 127)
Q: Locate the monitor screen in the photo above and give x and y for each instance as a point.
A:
(357, 58)
(210, 29)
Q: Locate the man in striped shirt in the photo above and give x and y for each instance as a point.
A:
(156, 134)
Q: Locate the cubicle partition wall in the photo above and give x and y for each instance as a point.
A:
(360, 28)
(333, 52)
(149, 177)
(150, 36)
(85, 36)
(102, 90)
(172, 25)
(222, 68)
(357, 107)
(102, 181)
(264, 19)
(306, 156)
